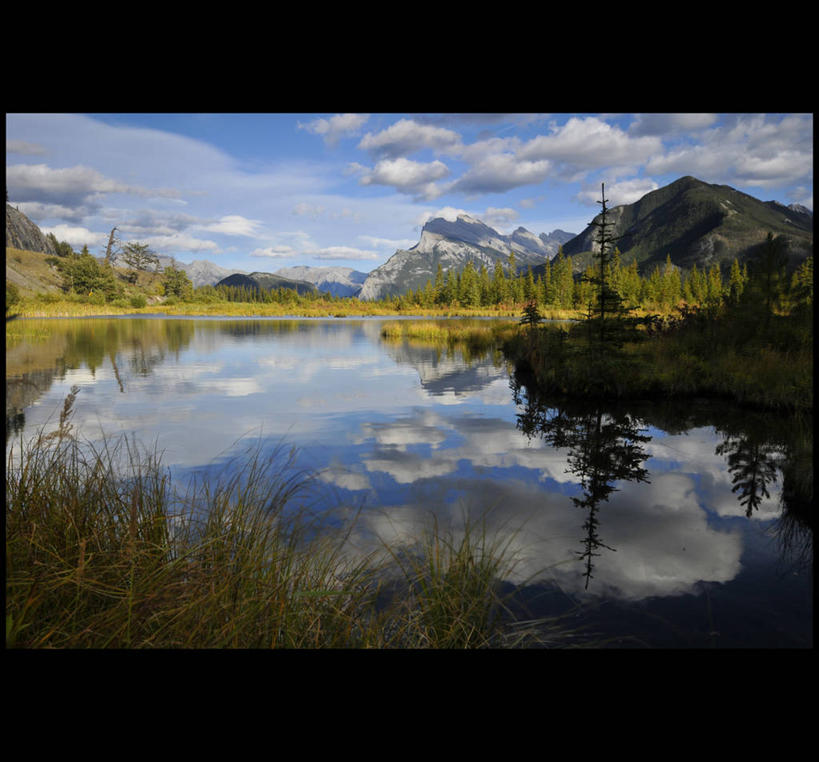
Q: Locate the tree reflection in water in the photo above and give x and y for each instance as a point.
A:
(605, 446)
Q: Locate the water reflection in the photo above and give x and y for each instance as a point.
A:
(603, 448)
(609, 446)
(634, 503)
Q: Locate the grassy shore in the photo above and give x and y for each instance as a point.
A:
(769, 368)
(102, 552)
(60, 306)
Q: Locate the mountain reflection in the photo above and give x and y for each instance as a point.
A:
(604, 447)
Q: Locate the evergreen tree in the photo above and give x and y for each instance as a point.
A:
(671, 289)
(736, 283)
(485, 286)
(547, 293)
(607, 309)
(139, 257)
(438, 288)
(176, 283)
(714, 287)
(469, 288)
(768, 272)
(499, 289)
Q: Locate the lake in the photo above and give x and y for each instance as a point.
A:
(666, 525)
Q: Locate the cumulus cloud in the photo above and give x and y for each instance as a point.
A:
(72, 186)
(502, 172)
(407, 176)
(181, 243)
(281, 251)
(495, 217)
(336, 127)
(407, 136)
(35, 210)
(752, 150)
(235, 224)
(76, 236)
(625, 192)
(449, 213)
(583, 144)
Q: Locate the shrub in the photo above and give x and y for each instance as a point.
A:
(138, 301)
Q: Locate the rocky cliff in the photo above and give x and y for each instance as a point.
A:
(22, 233)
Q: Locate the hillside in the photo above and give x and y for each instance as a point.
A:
(266, 282)
(695, 223)
(29, 271)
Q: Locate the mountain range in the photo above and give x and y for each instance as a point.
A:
(453, 243)
(693, 222)
(338, 281)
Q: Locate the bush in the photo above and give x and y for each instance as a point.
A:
(138, 301)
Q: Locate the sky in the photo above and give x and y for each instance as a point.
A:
(263, 191)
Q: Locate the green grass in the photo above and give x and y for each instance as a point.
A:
(101, 552)
(723, 359)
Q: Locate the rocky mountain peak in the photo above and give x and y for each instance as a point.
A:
(22, 233)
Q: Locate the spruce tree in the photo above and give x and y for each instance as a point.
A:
(607, 312)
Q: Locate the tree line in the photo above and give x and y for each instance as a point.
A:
(556, 286)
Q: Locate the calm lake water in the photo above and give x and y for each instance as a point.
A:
(653, 525)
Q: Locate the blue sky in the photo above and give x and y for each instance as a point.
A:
(260, 191)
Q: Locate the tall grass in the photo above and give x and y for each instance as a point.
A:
(772, 371)
(103, 552)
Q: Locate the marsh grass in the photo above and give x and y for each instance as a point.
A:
(103, 552)
(473, 337)
(769, 371)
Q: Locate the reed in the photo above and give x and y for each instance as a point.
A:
(103, 552)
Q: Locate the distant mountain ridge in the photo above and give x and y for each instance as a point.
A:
(266, 282)
(453, 243)
(338, 281)
(695, 222)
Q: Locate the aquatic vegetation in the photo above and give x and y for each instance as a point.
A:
(101, 552)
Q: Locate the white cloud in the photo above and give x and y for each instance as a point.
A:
(408, 176)
(72, 185)
(180, 243)
(336, 127)
(496, 218)
(235, 224)
(752, 150)
(35, 210)
(406, 136)
(625, 192)
(449, 213)
(583, 144)
(76, 236)
(502, 172)
(276, 252)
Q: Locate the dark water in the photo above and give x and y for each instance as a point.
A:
(649, 525)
